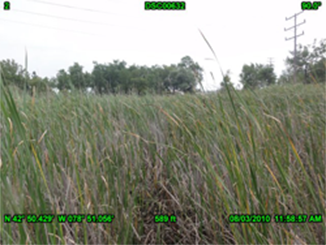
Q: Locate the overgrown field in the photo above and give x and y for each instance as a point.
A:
(198, 157)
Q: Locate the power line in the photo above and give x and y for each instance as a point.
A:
(73, 7)
(86, 9)
(70, 30)
(55, 28)
(71, 19)
(295, 39)
(80, 20)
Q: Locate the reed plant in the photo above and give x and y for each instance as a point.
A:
(198, 157)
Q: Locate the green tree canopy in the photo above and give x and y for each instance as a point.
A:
(310, 62)
(77, 77)
(114, 77)
(63, 80)
(40, 84)
(257, 76)
(13, 73)
(188, 63)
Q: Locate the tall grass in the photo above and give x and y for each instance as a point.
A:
(200, 157)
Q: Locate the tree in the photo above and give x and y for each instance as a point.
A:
(157, 79)
(188, 63)
(77, 77)
(317, 72)
(227, 80)
(266, 75)
(311, 65)
(114, 77)
(140, 85)
(13, 73)
(88, 79)
(40, 84)
(185, 81)
(100, 84)
(248, 77)
(63, 80)
(257, 76)
(285, 78)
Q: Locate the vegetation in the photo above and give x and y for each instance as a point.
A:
(117, 78)
(227, 80)
(199, 157)
(311, 65)
(257, 76)
(112, 78)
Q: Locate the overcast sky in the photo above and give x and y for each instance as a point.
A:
(240, 32)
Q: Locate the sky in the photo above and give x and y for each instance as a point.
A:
(57, 33)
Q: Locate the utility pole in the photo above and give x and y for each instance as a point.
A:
(295, 40)
(270, 61)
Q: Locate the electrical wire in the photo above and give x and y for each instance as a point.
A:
(87, 9)
(73, 7)
(55, 28)
(70, 19)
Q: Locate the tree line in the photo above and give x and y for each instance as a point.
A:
(117, 78)
(311, 64)
(111, 78)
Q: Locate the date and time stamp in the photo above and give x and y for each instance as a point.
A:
(279, 218)
(181, 5)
